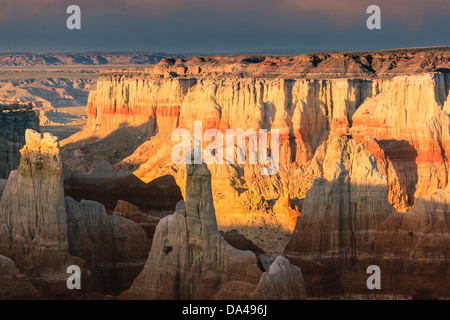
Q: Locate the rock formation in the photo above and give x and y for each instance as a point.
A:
(393, 102)
(408, 126)
(340, 214)
(114, 248)
(412, 250)
(14, 120)
(363, 180)
(239, 241)
(282, 281)
(283, 210)
(43, 233)
(361, 133)
(146, 221)
(107, 186)
(347, 225)
(33, 227)
(2, 186)
(13, 284)
(33, 230)
(189, 259)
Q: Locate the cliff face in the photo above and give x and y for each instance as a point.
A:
(189, 259)
(409, 124)
(33, 230)
(108, 186)
(393, 102)
(363, 143)
(32, 209)
(302, 109)
(14, 120)
(340, 214)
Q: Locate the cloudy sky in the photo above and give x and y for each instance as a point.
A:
(221, 26)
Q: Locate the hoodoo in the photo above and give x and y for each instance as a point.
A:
(33, 229)
(189, 258)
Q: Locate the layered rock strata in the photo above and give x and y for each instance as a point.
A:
(33, 228)
(108, 186)
(131, 212)
(114, 248)
(14, 284)
(189, 259)
(43, 233)
(393, 102)
(412, 250)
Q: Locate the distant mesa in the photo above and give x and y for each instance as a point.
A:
(90, 58)
(363, 180)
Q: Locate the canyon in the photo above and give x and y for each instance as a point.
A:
(363, 180)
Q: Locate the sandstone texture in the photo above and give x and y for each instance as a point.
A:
(412, 250)
(14, 284)
(108, 186)
(42, 233)
(394, 102)
(282, 281)
(347, 225)
(363, 149)
(146, 221)
(2, 186)
(114, 248)
(189, 259)
(33, 227)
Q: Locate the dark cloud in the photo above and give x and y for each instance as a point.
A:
(220, 25)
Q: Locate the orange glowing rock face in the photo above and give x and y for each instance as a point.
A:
(394, 103)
